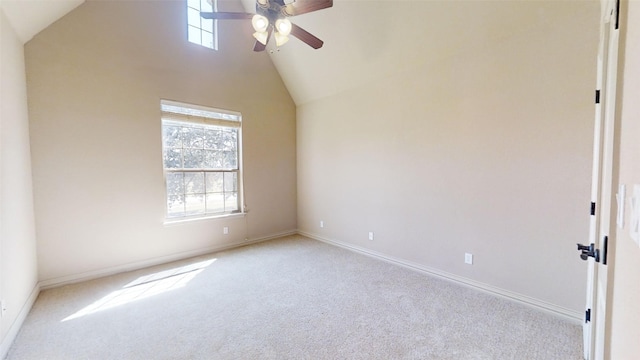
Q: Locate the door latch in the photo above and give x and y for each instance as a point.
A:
(587, 251)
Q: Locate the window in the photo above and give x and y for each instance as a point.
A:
(201, 156)
(202, 31)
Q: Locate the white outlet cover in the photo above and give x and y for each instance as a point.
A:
(468, 258)
(225, 230)
(370, 235)
(321, 223)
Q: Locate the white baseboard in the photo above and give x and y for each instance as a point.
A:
(568, 314)
(17, 324)
(90, 275)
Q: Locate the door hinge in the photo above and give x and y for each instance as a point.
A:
(593, 209)
(587, 316)
(605, 246)
(597, 96)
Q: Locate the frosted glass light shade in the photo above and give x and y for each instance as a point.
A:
(280, 39)
(283, 26)
(259, 22)
(261, 36)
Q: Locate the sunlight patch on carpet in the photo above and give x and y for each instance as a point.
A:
(144, 287)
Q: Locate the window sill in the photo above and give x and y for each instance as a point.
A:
(178, 221)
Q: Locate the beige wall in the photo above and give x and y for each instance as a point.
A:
(18, 264)
(625, 303)
(487, 151)
(95, 80)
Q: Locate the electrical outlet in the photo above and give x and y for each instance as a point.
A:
(321, 223)
(370, 235)
(3, 307)
(225, 230)
(468, 258)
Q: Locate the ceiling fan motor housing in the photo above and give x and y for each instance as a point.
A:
(271, 10)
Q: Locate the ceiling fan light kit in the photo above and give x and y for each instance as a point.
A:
(271, 16)
(280, 39)
(260, 23)
(261, 36)
(283, 26)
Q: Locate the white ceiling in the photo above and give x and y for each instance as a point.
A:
(29, 17)
(369, 39)
(364, 39)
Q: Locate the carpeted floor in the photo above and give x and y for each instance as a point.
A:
(291, 298)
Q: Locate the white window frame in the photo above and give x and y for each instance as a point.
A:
(197, 25)
(196, 115)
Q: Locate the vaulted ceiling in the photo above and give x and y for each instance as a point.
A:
(369, 39)
(29, 17)
(364, 39)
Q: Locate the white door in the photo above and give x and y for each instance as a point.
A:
(595, 251)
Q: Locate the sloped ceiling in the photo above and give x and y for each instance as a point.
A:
(364, 39)
(369, 39)
(29, 17)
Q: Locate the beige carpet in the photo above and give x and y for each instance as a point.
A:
(292, 298)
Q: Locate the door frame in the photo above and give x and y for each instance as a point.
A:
(594, 327)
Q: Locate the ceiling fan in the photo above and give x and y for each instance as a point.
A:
(271, 17)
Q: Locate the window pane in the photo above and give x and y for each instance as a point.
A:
(231, 201)
(173, 158)
(193, 158)
(175, 183)
(229, 140)
(205, 6)
(193, 17)
(194, 204)
(230, 181)
(194, 3)
(171, 136)
(212, 139)
(207, 26)
(194, 183)
(213, 159)
(194, 35)
(215, 203)
(229, 160)
(175, 205)
(192, 137)
(207, 39)
(234, 139)
(214, 182)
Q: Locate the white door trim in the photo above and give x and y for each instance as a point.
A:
(594, 329)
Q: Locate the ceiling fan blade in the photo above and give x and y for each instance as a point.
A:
(226, 15)
(305, 6)
(259, 46)
(306, 36)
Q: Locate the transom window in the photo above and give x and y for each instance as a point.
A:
(201, 156)
(202, 31)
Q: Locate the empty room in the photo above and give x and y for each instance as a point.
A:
(319, 179)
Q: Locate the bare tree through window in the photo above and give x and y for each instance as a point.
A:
(201, 159)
